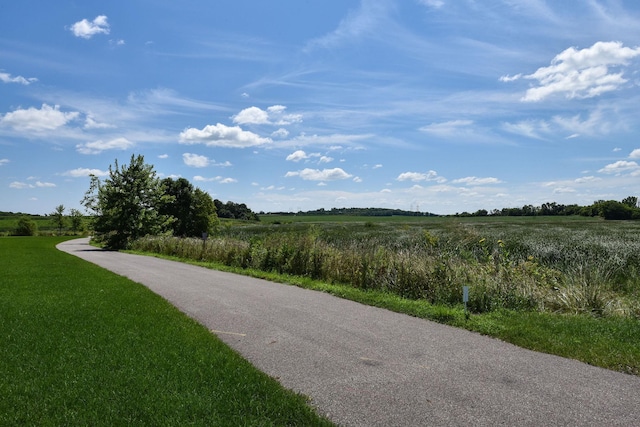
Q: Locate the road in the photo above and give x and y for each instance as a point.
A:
(365, 366)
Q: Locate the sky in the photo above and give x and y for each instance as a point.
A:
(437, 106)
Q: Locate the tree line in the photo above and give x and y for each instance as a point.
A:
(628, 208)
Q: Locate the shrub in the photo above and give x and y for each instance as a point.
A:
(26, 227)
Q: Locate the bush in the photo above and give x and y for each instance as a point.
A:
(26, 227)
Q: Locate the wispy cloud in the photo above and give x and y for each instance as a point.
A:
(97, 147)
(8, 78)
(472, 180)
(218, 179)
(83, 172)
(421, 177)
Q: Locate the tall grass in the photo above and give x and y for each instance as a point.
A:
(561, 266)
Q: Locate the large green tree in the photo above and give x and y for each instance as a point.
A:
(193, 210)
(126, 206)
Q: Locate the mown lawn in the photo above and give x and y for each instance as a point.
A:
(82, 346)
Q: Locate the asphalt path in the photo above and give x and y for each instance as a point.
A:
(365, 366)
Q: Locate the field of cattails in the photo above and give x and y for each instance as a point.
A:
(557, 264)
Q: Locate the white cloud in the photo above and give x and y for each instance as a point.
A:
(436, 4)
(274, 115)
(97, 147)
(296, 156)
(378, 166)
(6, 78)
(4, 161)
(447, 128)
(86, 29)
(217, 179)
(20, 185)
(195, 160)
(81, 172)
(325, 159)
(38, 120)
(620, 167)
(280, 133)
(90, 123)
(419, 177)
(320, 175)
(587, 180)
(472, 180)
(163, 156)
(252, 115)
(220, 135)
(635, 154)
(23, 185)
(228, 181)
(597, 123)
(528, 128)
(581, 73)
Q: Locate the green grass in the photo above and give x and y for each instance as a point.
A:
(609, 342)
(82, 346)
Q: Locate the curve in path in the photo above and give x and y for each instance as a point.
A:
(365, 366)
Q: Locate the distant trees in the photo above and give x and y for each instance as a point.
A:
(233, 210)
(608, 209)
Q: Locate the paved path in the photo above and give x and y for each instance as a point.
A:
(364, 366)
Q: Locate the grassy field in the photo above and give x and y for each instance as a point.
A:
(567, 286)
(82, 346)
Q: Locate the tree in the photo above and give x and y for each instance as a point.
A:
(59, 220)
(192, 209)
(205, 218)
(630, 201)
(77, 220)
(612, 209)
(26, 227)
(126, 205)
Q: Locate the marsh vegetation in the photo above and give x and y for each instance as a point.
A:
(559, 265)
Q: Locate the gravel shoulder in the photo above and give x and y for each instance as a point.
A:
(366, 366)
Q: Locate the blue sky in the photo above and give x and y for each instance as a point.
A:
(433, 105)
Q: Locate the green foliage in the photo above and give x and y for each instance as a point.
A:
(26, 227)
(127, 204)
(233, 210)
(193, 210)
(77, 220)
(83, 346)
(614, 210)
(58, 218)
